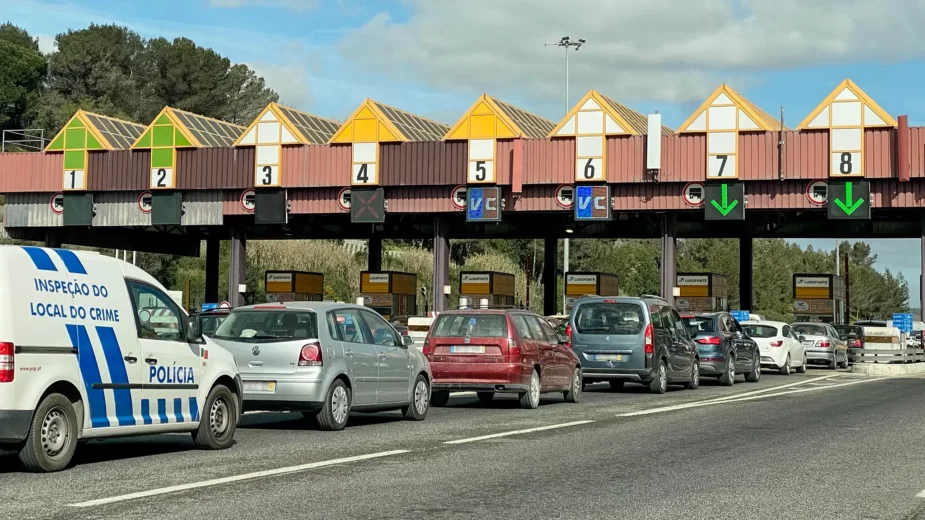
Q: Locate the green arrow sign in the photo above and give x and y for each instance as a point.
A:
(850, 205)
(726, 206)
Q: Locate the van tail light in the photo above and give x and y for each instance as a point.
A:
(310, 356)
(823, 343)
(712, 340)
(513, 349)
(568, 333)
(7, 366)
(650, 339)
(777, 343)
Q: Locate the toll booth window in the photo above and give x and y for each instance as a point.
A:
(475, 325)
(760, 331)
(158, 316)
(268, 326)
(610, 318)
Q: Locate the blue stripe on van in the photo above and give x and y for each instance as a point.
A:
(90, 373)
(71, 262)
(40, 258)
(146, 411)
(193, 409)
(162, 410)
(113, 354)
(178, 409)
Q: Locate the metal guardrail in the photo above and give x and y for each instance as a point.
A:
(903, 355)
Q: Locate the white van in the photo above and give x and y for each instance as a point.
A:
(83, 355)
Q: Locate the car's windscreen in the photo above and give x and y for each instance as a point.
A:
(261, 326)
(210, 324)
(810, 330)
(620, 318)
(473, 325)
(699, 324)
(760, 331)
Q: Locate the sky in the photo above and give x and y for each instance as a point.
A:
(435, 57)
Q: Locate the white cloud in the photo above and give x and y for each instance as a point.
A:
(289, 81)
(670, 50)
(46, 43)
(295, 5)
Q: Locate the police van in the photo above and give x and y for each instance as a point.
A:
(94, 347)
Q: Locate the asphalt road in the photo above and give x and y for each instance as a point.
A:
(820, 445)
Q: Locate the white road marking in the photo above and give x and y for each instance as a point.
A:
(235, 478)
(773, 388)
(921, 494)
(518, 432)
(739, 399)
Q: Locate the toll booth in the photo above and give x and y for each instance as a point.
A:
(819, 297)
(294, 286)
(497, 288)
(389, 293)
(578, 285)
(702, 292)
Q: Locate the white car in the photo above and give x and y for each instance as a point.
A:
(779, 345)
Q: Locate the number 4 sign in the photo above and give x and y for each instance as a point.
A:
(162, 179)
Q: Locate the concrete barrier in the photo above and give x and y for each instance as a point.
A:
(888, 369)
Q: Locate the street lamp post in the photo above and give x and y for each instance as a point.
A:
(567, 43)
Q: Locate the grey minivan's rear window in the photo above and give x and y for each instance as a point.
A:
(266, 326)
(610, 318)
(475, 325)
(760, 331)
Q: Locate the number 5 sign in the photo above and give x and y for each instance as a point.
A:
(481, 168)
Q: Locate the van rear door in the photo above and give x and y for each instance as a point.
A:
(610, 334)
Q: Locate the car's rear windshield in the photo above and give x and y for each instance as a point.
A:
(760, 331)
(263, 326)
(700, 324)
(810, 330)
(473, 325)
(618, 318)
(848, 330)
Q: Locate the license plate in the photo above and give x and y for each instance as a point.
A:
(467, 349)
(808, 343)
(260, 386)
(607, 357)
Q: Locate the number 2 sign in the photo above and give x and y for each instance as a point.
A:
(162, 179)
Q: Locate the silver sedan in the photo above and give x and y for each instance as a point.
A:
(823, 344)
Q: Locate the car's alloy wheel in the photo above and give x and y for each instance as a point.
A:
(531, 398)
(785, 370)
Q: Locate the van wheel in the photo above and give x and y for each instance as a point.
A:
(439, 398)
(573, 394)
(52, 437)
(336, 409)
(217, 425)
(417, 410)
(531, 398)
(659, 385)
(485, 397)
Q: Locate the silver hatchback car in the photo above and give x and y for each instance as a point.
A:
(325, 360)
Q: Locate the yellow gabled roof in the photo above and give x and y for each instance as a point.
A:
(860, 95)
(762, 119)
(629, 120)
(377, 122)
(491, 118)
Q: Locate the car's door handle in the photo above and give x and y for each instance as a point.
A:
(151, 361)
(348, 353)
(131, 359)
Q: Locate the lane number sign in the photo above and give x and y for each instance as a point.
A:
(817, 193)
(589, 169)
(846, 164)
(481, 172)
(162, 178)
(721, 167)
(364, 173)
(693, 194)
(75, 180)
(266, 175)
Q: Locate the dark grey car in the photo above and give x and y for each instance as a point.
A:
(725, 350)
(642, 340)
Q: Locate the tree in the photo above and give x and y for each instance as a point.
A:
(23, 68)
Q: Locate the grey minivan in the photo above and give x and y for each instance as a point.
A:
(642, 340)
(324, 359)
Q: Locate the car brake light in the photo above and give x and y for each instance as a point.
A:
(512, 348)
(269, 306)
(712, 340)
(310, 356)
(650, 339)
(777, 343)
(7, 366)
(823, 343)
(609, 301)
(568, 333)
(428, 348)
(856, 343)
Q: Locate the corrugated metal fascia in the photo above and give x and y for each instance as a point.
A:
(880, 153)
(549, 161)
(30, 210)
(684, 158)
(293, 170)
(215, 168)
(231, 203)
(757, 156)
(420, 199)
(119, 208)
(504, 161)
(120, 170)
(778, 195)
(894, 194)
(203, 208)
(648, 196)
(917, 151)
(315, 201)
(537, 198)
(806, 154)
(31, 172)
(424, 163)
(327, 165)
(625, 158)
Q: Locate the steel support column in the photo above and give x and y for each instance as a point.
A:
(53, 239)
(374, 254)
(550, 278)
(746, 273)
(441, 265)
(237, 270)
(669, 260)
(213, 265)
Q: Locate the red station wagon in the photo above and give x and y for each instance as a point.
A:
(499, 351)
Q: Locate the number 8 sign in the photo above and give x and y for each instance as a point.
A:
(162, 178)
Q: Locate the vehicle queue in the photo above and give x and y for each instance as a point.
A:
(152, 368)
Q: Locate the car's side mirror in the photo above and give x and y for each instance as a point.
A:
(193, 329)
(407, 341)
(801, 337)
